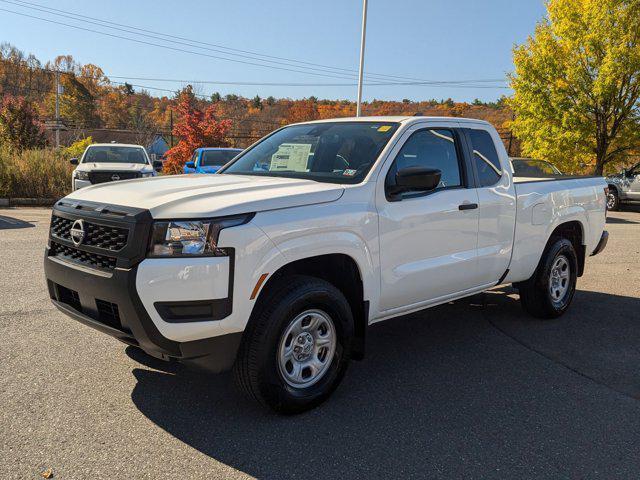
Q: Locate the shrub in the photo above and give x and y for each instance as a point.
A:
(42, 173)
(20, 127)
(76, 149)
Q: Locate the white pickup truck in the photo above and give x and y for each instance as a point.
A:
(277, 266)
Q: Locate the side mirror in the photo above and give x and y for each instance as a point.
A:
(157, 165)
(415, 179)
(73, 161)
(190, 164)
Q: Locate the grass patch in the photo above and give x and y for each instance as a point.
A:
(44, 173)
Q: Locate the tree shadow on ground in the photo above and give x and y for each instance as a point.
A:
(474, 388)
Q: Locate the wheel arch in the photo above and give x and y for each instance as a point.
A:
(574, 231)
(343, 272)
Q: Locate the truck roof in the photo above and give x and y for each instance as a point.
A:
(406, 119)
(115, 145)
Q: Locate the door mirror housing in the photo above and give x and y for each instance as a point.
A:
(74, 161)
(190, 164)
(415, 179)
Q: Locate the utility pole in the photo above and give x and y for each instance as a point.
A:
(361, 69)
(57, 109)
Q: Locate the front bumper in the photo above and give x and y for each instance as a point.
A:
(601, 244)
(106, 295)
(78, 184)
(110, 304)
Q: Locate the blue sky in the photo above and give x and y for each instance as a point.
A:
(440, 40)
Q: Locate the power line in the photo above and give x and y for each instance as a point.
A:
(136, 32)
(432, 83)
(167, 47)
(159, 36)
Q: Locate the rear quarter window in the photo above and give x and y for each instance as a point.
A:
(485, 157)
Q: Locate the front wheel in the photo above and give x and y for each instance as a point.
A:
(549, 292)
(297, 345)
(613, 200)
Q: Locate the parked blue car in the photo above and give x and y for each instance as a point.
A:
(209, 160)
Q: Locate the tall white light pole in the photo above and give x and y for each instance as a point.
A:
(361, 69)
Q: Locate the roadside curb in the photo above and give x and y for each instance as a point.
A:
(27, 202)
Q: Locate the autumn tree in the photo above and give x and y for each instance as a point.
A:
(77, 104)
(302, 111)
(195, 128)
(20, 127)
(577, 83)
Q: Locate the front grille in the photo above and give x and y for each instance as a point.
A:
(102, 177)
(80, 256)
(108, 313)
(114, 235)
(101, 236)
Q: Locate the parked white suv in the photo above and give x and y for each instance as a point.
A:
(277, 265)
(110, 162)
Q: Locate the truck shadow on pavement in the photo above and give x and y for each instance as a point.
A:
(10, 223)
(475, 388)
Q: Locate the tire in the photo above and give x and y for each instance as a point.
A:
(613, 200)
(282, 322)
(558, 268)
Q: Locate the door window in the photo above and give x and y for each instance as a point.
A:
(485, 157)
(430, 148)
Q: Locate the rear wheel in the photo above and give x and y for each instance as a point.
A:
(296, 348)
(549, 292)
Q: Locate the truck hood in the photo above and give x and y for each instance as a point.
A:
(114, 167)
(202, 195)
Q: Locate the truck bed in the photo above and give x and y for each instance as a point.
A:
(547, 178)
(542, 203)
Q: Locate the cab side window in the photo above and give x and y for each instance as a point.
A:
(485, 157)
(430, 148)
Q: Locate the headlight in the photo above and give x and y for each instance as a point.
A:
(187, 238)
(82, 175)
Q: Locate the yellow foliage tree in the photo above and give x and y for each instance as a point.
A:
(577, 84)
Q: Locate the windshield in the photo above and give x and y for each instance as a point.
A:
(217, 158)
(523, 167)
(109, 154)
(334, 152)
(635, 170)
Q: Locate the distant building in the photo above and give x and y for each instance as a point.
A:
(158, 146)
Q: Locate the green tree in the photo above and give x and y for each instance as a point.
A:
(577, 84)
(20, 127)
(256, 102)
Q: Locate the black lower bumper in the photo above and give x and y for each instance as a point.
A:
(601, 244)
(109, 303)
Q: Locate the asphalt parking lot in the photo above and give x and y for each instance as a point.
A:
(473, 389)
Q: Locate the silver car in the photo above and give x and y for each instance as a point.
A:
(624, 187)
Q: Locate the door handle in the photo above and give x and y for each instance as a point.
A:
(468, 206)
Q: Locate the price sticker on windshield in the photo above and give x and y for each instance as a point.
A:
(291, 157)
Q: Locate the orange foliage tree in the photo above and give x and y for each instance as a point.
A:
(302, 111)
(195, 128)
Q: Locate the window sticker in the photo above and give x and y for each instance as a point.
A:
(291, 157)
(384, 128)
(349, 172)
